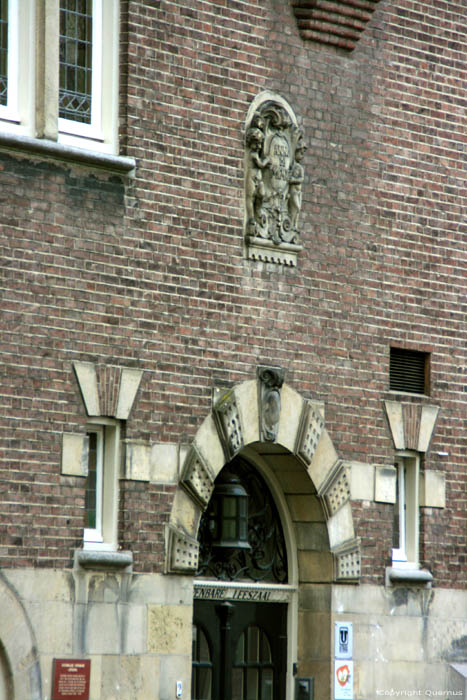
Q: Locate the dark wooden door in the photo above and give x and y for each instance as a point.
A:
(239, 651)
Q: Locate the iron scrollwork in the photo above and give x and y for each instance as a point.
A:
(266, 560)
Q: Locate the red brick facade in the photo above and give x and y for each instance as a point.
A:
(148, 270)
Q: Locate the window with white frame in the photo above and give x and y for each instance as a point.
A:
(69, 48)
(406, 511)
(87, 97)
(17, 87)
(101, 490)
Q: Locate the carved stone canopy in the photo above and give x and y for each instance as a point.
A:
(274, 150)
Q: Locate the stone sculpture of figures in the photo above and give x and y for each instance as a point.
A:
(254, 179)
(297, 175)
(274, 176)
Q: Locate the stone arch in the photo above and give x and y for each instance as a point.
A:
(255, 412)
(19, 657)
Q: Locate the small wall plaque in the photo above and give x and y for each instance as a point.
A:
(71, 679)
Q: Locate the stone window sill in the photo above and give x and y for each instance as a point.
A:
(96, 559)
(58, 151)
(412, 577)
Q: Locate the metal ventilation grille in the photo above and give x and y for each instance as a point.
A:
(408, 371)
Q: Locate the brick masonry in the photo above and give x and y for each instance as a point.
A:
(149, 271)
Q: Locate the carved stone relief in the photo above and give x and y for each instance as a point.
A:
(273, 183)
(271, 380)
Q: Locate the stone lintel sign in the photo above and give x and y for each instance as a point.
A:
(274, 174)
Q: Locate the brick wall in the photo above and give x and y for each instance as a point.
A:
(149, 271)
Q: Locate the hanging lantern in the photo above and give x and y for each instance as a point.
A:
(228, 516)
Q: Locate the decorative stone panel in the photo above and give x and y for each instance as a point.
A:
(107, 390)
(270, 381)
(347, 561)
(335, 490)
(335, 22)
(197, 478)
(182, 552)
(411, 424)
(309, 433)
(274, 175)
(227, 418)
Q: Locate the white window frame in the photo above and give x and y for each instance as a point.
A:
(33, 59)
(17, 115)
(406, 555)
(101, 133)
(104, 536)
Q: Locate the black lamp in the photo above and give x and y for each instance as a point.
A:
(228, 516)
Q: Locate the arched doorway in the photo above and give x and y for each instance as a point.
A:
(242, 592)
(282, 434)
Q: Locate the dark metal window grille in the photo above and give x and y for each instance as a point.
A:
(3, 52)
(266, 558)
(75, 94)
(408, 371)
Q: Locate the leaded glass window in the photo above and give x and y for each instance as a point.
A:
(75, 94)
(253, 672)
(3, 52)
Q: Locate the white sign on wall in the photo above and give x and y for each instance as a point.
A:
(343, 679)
(343, 640)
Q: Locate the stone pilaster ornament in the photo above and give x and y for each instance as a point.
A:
(274, 177)
(270, 381)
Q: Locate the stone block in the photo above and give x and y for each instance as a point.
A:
(427, 424)
(315, 597)
(305, 508)
(173, 669)
(135, 677)
(433, 489)
(169, 629)
(246, 396)
(185, 513)
(364, 598)
(315, 567)
(160, 589)
(323, 461)
(209, 445)
(314, 635)
(87, 380)
(362, 480)
(385, 484)
(56, 638)
(312, 536)
(164, 463)
(291, 411)
(137, 465)
(396, 423)
(340, 526)
(295, 482)
(129, 383)
(74, 454)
